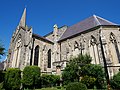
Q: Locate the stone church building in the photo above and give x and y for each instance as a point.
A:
(52, 51)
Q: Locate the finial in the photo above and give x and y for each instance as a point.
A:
(55, 26)
(94, 15)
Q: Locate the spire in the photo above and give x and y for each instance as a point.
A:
(23, 19)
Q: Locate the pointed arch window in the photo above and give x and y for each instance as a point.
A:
(49, 58)
(17, 51)
(93, 40)
(112, 38)
(81, 45)
(76, 45)
(36, 55)
(114, 41)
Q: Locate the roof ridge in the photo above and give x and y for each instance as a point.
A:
(41, 37)
(96, 20)
(105, 20)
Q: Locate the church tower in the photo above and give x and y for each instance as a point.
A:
(20, 46)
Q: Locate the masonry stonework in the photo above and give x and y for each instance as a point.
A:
(53, 51)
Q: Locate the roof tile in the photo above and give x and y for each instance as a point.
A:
(84, 25)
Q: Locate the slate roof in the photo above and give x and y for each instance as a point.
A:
(42, 38)
(84, 25)
(52, 31)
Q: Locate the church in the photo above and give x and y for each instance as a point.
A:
(53, 51)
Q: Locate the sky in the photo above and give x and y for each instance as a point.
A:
(43, 14)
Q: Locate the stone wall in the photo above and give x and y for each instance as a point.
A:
(43, 55)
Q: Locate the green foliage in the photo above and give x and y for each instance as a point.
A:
(2, 49)
(49, 80)
(76, 86)
(31, 77)
(72, 71)
(12, 79)
(88, 81)
(48, 89)
(80, 67)
(83, 59)
(94, 71)
(115, 82)
(69, 74)
(52, 88)
(58, 87)
(1, 86)
(2, 74)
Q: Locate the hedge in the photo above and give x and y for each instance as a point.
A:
(50, 80)
(12, 79)
(76, 86)
(31, 77)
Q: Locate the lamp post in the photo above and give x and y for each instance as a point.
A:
(105, 64)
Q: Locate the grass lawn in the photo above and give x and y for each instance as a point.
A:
(51, 89)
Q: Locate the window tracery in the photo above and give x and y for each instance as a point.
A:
(114, 41)
(112, 38)
(76, 45)
(93, 40)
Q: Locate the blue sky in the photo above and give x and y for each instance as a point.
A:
(43, 14)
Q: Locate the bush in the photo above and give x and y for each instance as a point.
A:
(76, 86)
(49, 80)
(12, 79)
(115, 82)
(2, 74)
(48, 88)
(88, 81)
(1, 86)
(31, 77)
(96, 73)
(58, 87)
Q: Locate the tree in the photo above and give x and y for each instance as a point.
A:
(2, 49)
(31, 77)
(72, 71)
(93, 75)
(115, 81)
(12, 79)
(80, 68)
